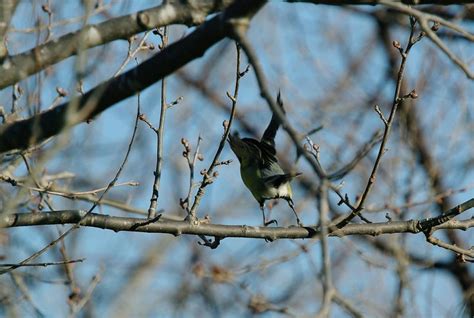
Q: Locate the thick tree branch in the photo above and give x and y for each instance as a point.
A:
(117, 224)
(192, 12)
(376, 2)
(21, 134)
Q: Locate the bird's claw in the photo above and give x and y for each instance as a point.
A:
(270, 222)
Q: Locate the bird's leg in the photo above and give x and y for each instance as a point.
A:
(265, 223)
(292, 206)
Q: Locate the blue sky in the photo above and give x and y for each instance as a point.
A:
(305, 49)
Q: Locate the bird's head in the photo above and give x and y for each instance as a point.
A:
(238, 147)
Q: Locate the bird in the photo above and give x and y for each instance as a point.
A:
(259, 167)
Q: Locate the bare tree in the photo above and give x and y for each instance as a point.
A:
(115, 117)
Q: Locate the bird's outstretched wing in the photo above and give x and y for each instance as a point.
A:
(262, 152)
(252, 152)
(265, 153)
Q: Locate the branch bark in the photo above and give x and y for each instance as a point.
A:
(376, 2)
(176, 228)
(22, 134)
(192, 12)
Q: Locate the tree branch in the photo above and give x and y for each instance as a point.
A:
(376, 2)
(176, 228)
(28, 132)
(20, 66)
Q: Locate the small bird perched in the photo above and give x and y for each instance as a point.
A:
(259, 167)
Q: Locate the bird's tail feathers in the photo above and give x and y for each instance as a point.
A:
(270, 132)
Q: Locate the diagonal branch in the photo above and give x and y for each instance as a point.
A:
(209, 173)
(20, 66)
(265, 93)
(375, 2)
(397, 100)
(28, 132)
(94, 205)
(423, 19)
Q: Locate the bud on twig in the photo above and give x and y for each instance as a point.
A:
(61, 91)
(413, 94)
(231, 97)
(46, 9)
(435, 26)
(183, 203)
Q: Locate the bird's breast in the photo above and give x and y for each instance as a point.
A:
(255, 182)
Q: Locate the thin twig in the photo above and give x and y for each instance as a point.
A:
(428, 224)
(328, 288)
(88, 295)
(435, 198)
(388, 125)
(423, 19)
(131, 53)
(450, 247)
(20, 284)
(160, 142)
(366, 148)
(210, 174)
(94, 205)
(346, 305)
(89, 196)
(80, 260)
(265, 93)
(72, 194)
(191, 165)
